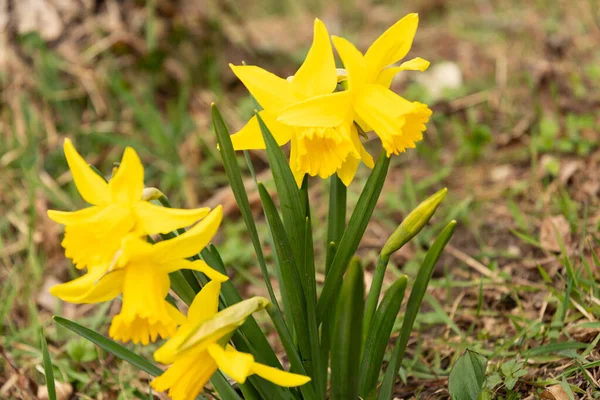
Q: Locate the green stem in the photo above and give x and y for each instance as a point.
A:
(374, 291)
(337, 215)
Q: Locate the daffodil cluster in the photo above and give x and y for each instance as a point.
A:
(110, 240)
(321, 110)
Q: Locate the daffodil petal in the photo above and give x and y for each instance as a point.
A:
(392, 45)
(366, 158)
(187, 376)
(386, 76)
(298, 174)
(190, 242)
(94, 287)
(92, 187)
(317, 75)
(205, 304)
(250, 136)
(348, 169)
(232, 362)
(272, 92)
(354, 62)
(328, 110)
(157, 219)
(197, 265)
(73, 217)
(127, 185)
(279, 377)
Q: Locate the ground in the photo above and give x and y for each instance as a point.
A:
(515, 137)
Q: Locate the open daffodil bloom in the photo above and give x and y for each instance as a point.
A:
(140, 271)
(199, 348)
(315, 149)
(398, 122)
(93, 234)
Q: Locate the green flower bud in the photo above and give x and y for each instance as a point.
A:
(413, 223)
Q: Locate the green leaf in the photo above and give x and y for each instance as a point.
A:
(336, 222)
(353, 234)
(412, 309)
(290, 276)
(234, 176)
(346, 339)
(110, 346)
(467, 376)
(290, 201)
(48, 371)
(379, 335)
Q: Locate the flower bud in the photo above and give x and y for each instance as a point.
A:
(413, 223)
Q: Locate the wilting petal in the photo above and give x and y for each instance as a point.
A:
(392, 45)
(232, 362)
(187, 376)
(354, 62)
(192, 241)
(272, 92)
(317, 75)
(127, 185)
(387, 75)
(92, 187)
(157, 219)
(250, 136)
(96, 286)
(328, 110)
(279, 377)
(74, 217)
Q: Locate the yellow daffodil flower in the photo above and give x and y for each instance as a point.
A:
(140, 271)
(398, 122)
(93, 234)
(315, 149)
(199, 348)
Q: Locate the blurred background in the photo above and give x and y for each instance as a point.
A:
(515, 89)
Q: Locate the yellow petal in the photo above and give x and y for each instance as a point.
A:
(127, 185)
(96, 286)
(387, 75)
(317, 75)
(187, 376)
(348, 170)
(328, 110)
(366, 158)
(74, 217)
(191, 242)
(92, 187)
(250, 136)
(392, 45)
(157, 219)
(279, 377)
(232, 362)
(298, 174)
(197, 265)
(354, 62)
(205, 304)
(270, 91)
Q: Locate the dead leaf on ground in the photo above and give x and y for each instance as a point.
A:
(551, 227)
(63, 391)
(555, 392)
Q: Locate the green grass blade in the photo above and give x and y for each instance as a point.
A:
(353, 234)
(412, 309)
(234, 176)
(290, 276)
(291, 204)
(110, 346)
(379, 335)
(222, 386)
(346, 338)
(48, 371)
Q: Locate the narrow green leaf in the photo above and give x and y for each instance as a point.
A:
(48, 371)
(379, 335)
(353, 234)
(412, 309)
(234, 176)
(110, 346)
(292, 207)
(346, 339)
(336, 222)
(290, 276)
(467, 376)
